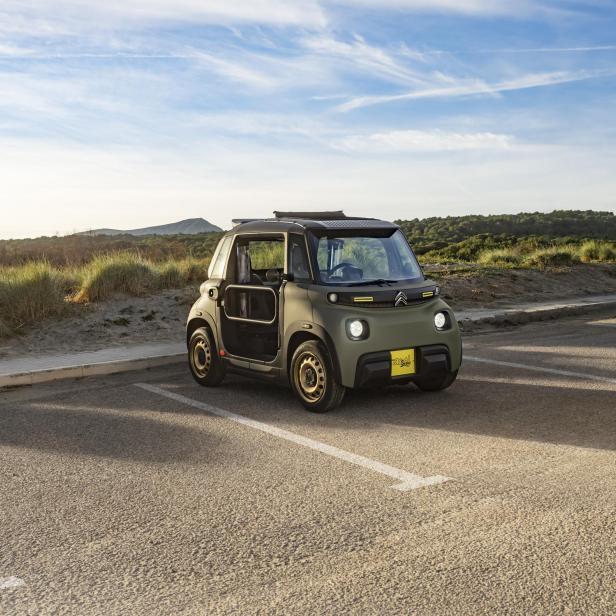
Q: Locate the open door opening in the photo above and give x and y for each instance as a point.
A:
(250, 315)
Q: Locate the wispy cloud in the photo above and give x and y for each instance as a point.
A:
(359, 55)
(398, 141)
(470, 7)
(127, 13)
(425, 54)
(478, 87)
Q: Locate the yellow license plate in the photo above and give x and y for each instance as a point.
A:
(402, 362)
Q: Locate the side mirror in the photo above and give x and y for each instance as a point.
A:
(207, 288)
(288, 277)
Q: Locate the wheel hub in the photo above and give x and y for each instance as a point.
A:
(310, 377)
(201, 357)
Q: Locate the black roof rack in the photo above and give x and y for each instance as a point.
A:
(241, 221)
(335, 215)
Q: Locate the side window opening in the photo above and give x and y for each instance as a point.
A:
(259, 261)
(217, 267)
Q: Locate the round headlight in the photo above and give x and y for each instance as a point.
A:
(332, 297)
(356, 329)
(440, 320)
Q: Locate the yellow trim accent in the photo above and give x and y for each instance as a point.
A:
(367, 298)
(427, 294)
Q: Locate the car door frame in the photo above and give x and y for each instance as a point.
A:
(241, 361)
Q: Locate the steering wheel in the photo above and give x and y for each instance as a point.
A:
(340, 266)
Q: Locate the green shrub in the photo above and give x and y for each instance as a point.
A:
(170, 276)
(556, 256)
(194, 271)
(130, 274)
(115, 273)
(30, 293)
(501, 256)
(594, 250)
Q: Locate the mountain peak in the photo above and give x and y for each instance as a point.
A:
(189, 226)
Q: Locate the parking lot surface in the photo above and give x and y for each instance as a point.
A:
(144, 493)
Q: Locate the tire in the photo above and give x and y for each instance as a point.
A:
(205, 364)
(436, 383)
(313, 378)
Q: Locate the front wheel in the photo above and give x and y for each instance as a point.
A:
(436, 383)
(205, 364)
(313, 378)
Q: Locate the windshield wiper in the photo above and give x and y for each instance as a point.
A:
(365, 283)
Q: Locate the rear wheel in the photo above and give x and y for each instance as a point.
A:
(205, 364)
(436, 382)
(313, 378)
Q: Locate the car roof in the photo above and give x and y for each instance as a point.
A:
(299, 221)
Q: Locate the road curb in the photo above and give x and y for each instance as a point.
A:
(520, 317)
(78, 371)
(127, 364)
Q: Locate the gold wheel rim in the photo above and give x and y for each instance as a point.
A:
(201, 357)
(310, 377)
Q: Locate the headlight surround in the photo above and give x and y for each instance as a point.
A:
(442, 321)
(357, 329)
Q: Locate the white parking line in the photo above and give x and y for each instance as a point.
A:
(509, 364)
(408, 481)
(10, 582)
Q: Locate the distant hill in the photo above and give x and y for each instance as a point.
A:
(190, 226)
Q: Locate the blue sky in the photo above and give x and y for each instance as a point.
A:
(136, 112)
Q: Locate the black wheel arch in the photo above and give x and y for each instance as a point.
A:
(201, 321)
(300, 335)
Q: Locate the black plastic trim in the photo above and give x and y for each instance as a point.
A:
(375, 368)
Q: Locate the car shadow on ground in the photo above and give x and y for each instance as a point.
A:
(530, 411)
(76, 430)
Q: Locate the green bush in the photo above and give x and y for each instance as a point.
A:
(31, 293)
(501, 256)
(115, 273)
(594, 250)
(556, 256)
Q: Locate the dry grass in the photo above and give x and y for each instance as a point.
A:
(564, 255)
(596, 250)
(128, 273)
(31, 293)
(501, 257)
(36, 291)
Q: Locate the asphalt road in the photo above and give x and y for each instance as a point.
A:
(118, 500)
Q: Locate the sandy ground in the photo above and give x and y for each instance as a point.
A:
(505, 287)
(161, 318)
(122, 321)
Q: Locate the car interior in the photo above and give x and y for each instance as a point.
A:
(250, 316)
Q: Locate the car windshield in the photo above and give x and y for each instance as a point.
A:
(365, 258)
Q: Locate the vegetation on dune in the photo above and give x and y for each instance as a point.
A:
(551, 225)
(35, 291)
(31, 293)
(597, 251)
(133, 275)
(74, 250)
(42, 277)
(501, 257)
(555, 256)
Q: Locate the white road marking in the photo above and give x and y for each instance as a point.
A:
(10, 582)
(510, 364)
(408, 481)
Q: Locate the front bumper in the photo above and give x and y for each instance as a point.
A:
(390, 329)
(375, 368)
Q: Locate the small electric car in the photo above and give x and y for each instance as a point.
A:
(324, 301)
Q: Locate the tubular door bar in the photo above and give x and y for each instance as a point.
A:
(249, 287)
